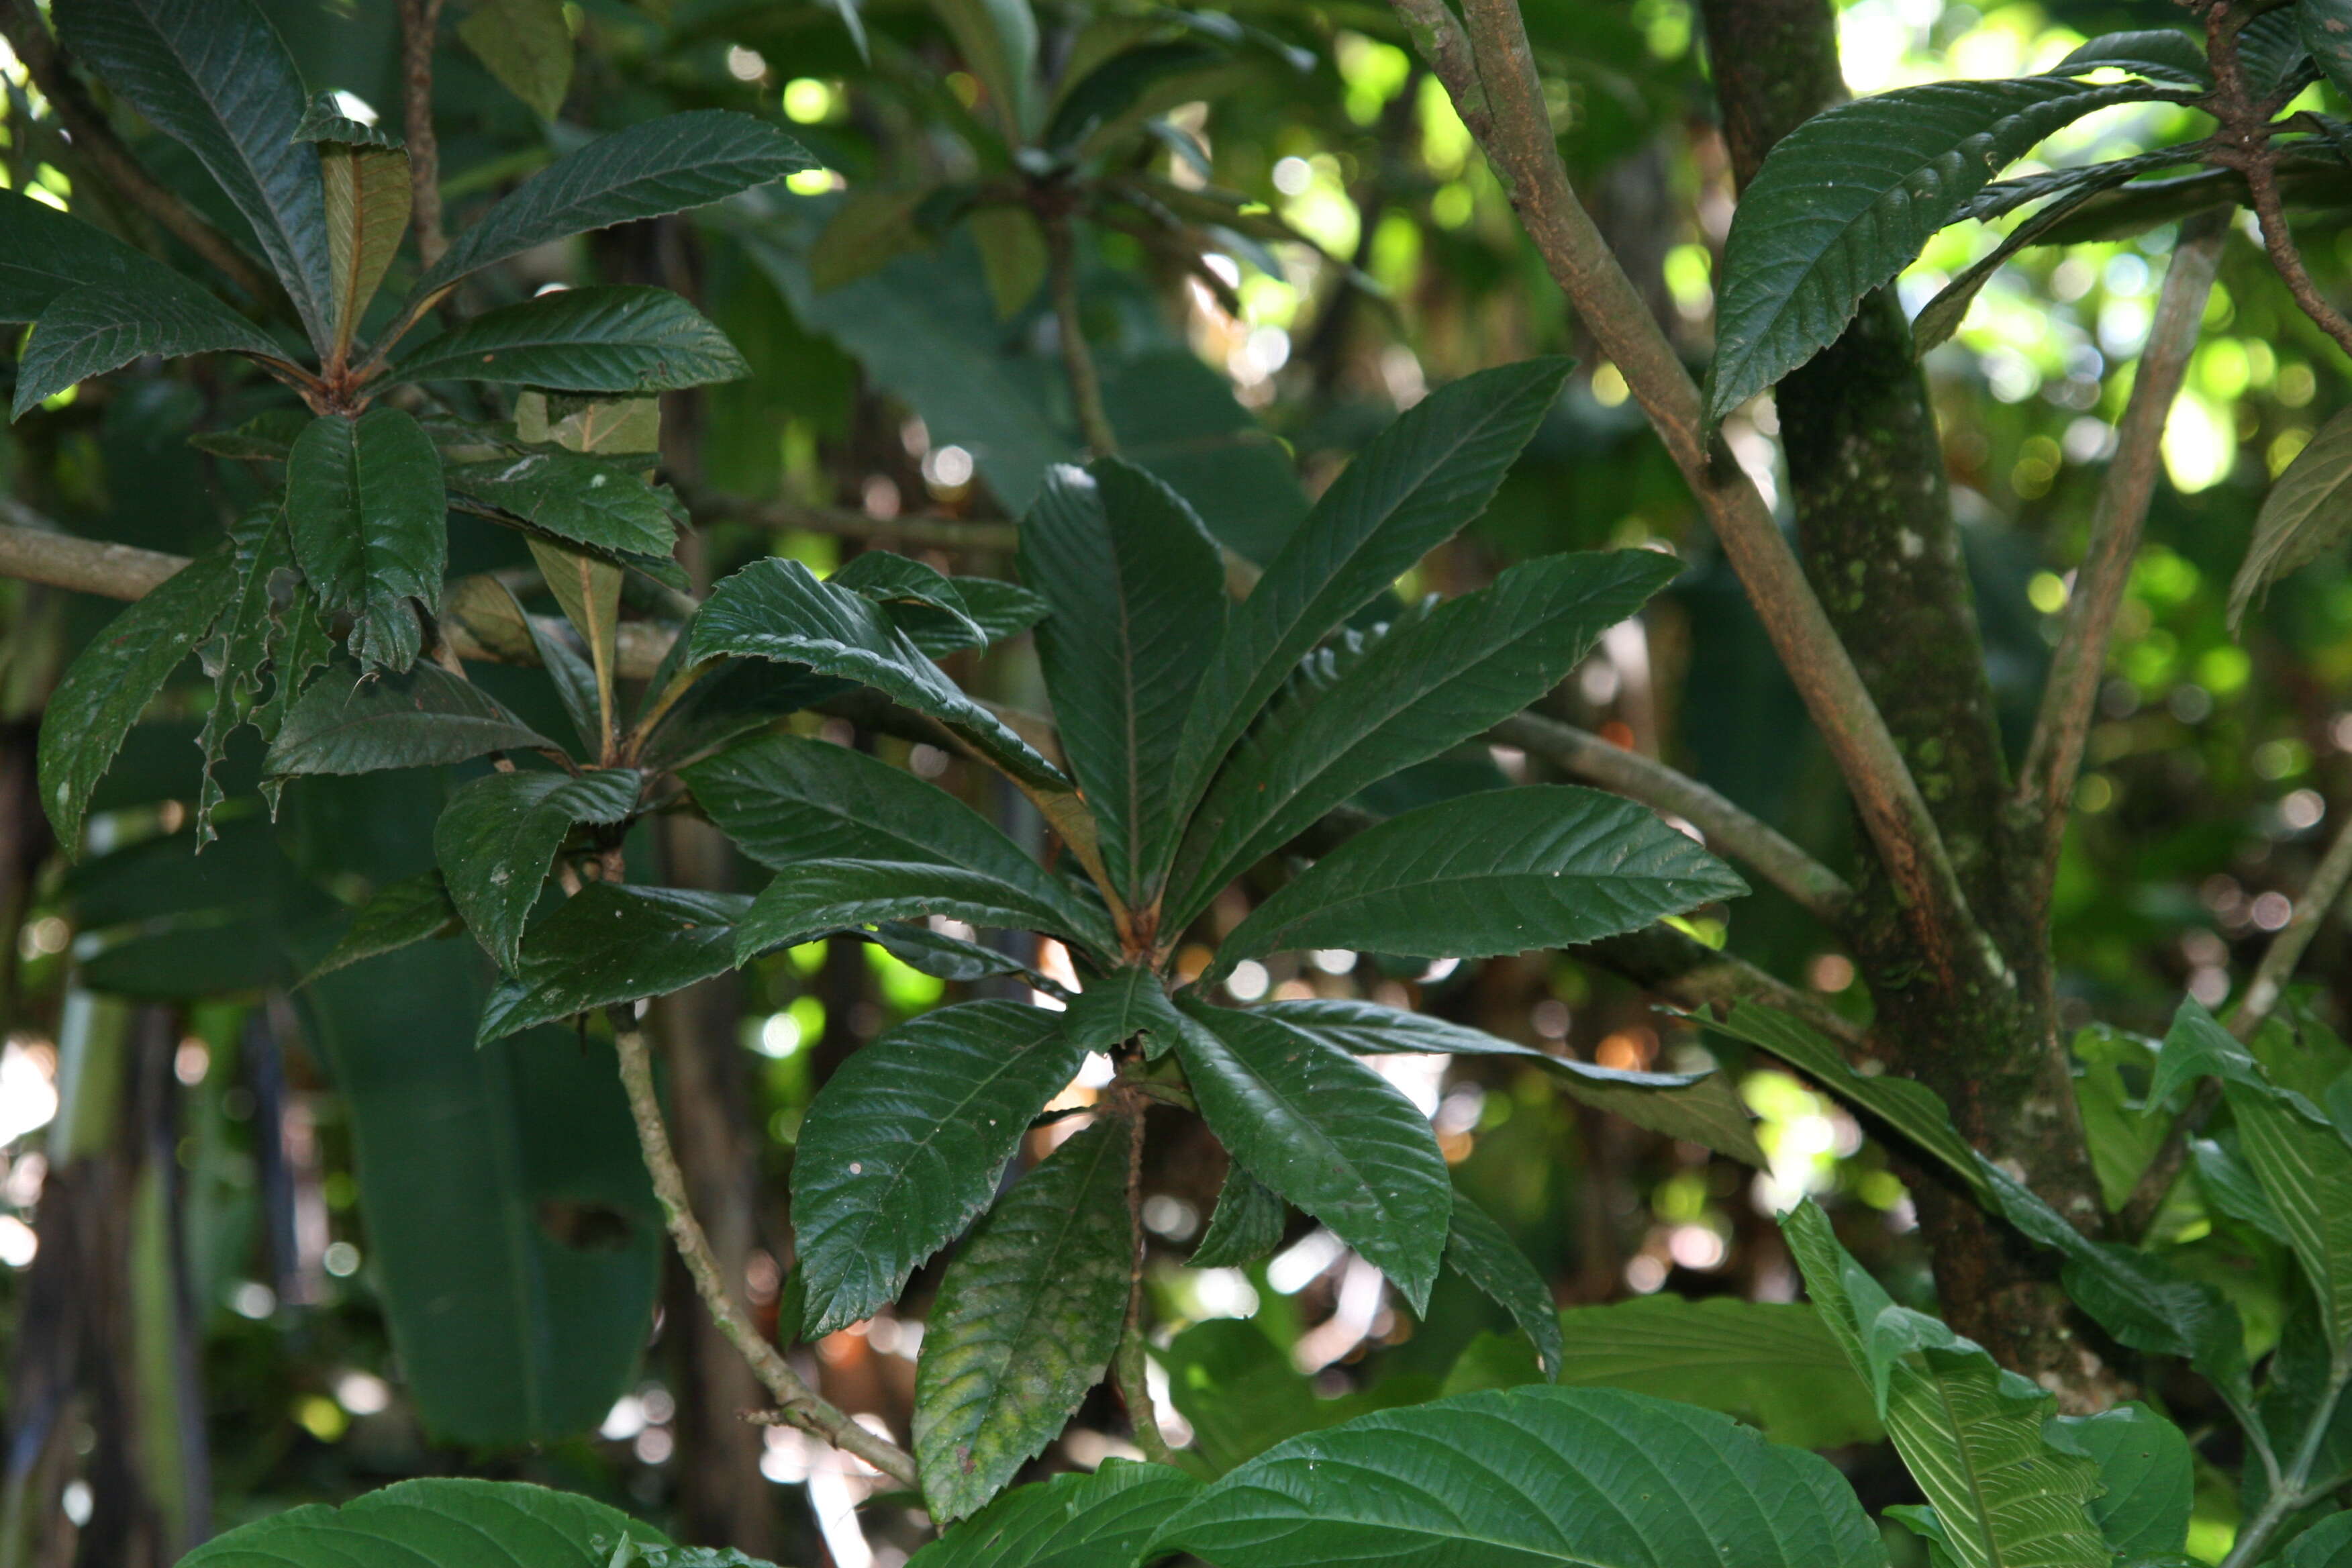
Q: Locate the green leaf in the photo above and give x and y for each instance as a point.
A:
(732, 698)
(370, 527)
(1969, 1431)
(588, 588)
(1907, 1106)
(1128, 1002)
(917, 946)
(2307, 513)
(1589, 1476)
(807, 900)
(1413, 489)
(115, 677)
(906, 1144)
(1848, 199)
(1247, 1225)
(605, 339)
(2231, 1188)
(525, 45)
(1071, 1522)
(1940, 317)
(1328, 1134)
(1011, 255)
(2324, 1545)
(661, 166)
(778, 609)
(2150, 1478)
(1025, 1322)
(939, 613)
(998, 40)
(44, 254)
(1501, 872)
(1429, 684)
(347, 722)
(368, 198)
(450, 1522)
(2161, 54)
(1108, 93)
(242, 644)
(608, 944)
(871, 226)
(91, 330)
(1773, 1366)
(2327, 34)
(215, 76)
(786, 801)
(1697, 1107)
(513, 1238)
(1137, 592)
(1486, 1254)
(399, 914)
(606, 504)
(498, 836)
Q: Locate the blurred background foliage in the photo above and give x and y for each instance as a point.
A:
(1303, 244)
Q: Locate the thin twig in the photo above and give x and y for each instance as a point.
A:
(2261, 180)
(95, 143)
(1128, 1365)
(798, 1403)
(917, 532)
(1819, 889)
(420, 21)
(2277, 967)
(1492, 78)
(2054, 756)
(1077, 364)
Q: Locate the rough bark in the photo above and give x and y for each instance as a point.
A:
(1878, 540)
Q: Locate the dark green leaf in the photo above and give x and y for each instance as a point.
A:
(1940, 317)
(661, 166)
(1099, 1520)
(807, 900)
(2326, 1545)
(114, 679)
(1247, 1225)
(161, 922)
(1429, 684)
(906, 1143)
(998, 40)
(900, 581)
(1328, 1134)
(498, 836)
(215, 76)
(450, 1522)
(2273, 54)
(917, 946)
(1847, 200)
(239, 649)
(730, 698)
(2327, 34)
(609, 944)
(1413, 487)
(44, 253)
(1969, 1432)
(2161, 54)
(1012, 255)
(1773, 1366)
(2231, 1188)
(603, 503)
(370, 527)
(88, 330)
(2151, 1483)
(588, 588)
(1025, 1322)
(513, 1232)
(323, 120)
(1107, 92)
(526, 44)
(1698, 1108)
(1504, 871)
(1487, 1257)
(1589, 1476)
(778, 609)
(615, 340)
(1137, 593)
(2307, 513)
(1130, 1001)
(399, 915)
(347, 722)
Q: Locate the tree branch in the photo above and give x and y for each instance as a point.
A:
(95, 142)
(1077, 364)
(918, 532)
(1492, 78)
(420, 22)
(1819, 889)
(799, 1404)
(2320, 896)
(2053, 758)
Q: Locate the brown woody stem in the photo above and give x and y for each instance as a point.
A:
(420, 21)
(1077, 362)
(798, 1404)
(1128, 1367)
(2053, 758)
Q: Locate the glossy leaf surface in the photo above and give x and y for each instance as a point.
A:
(609, 944)
(498, 836)
(605, 338)
(370, 527)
